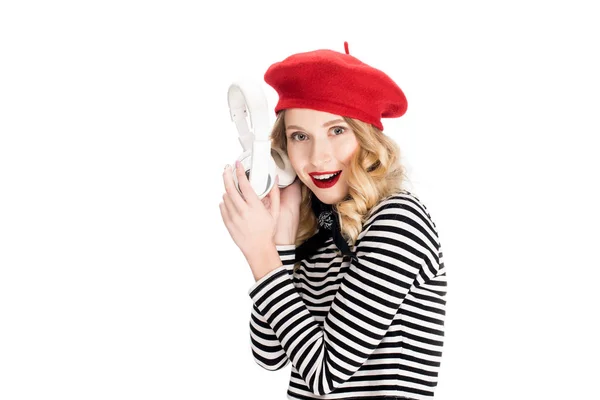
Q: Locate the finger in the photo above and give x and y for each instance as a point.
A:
(275, 197)
(267, 202)
(225, 215)
(232, 212)
(227, 220)
(224, 212)
(236, 202)
(250, 196)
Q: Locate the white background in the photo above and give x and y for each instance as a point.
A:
(118, 278)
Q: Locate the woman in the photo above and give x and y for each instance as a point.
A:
(350, 281)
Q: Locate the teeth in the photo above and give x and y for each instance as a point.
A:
(323, 177)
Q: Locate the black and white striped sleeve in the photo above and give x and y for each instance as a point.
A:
(266, 348)
(391, 257)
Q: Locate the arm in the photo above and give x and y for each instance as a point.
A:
(266, 348)
(391, 256)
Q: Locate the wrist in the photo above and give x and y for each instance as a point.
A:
(283, 240)
(264, 260)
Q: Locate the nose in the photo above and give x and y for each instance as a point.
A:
(320, 154)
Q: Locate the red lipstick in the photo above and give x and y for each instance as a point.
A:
(324, 184)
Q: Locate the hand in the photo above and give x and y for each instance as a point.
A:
(251, 225)
(289, 199)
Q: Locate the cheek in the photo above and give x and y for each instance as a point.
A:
(296, 159)
(346, 151)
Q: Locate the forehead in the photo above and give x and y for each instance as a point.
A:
(308, 117)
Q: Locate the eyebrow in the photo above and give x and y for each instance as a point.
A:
(326, 124)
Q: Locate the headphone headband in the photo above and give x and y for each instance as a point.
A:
(248, 108)
(247, 102)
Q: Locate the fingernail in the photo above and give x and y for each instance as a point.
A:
(238, 164)
(227, 166)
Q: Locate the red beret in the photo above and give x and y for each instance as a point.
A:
(337, 83)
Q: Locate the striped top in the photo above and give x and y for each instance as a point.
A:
(358, 329)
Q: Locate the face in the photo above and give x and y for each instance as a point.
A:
(318, 145)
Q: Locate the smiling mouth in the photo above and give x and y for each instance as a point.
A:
(326, 173)
(326, 183)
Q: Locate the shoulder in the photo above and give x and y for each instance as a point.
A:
(402, 210)
(402, 200)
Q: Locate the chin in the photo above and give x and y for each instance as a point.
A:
(328, 197)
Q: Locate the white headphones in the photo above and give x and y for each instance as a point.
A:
(261, 162)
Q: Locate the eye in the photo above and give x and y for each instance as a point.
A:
(339, 130)
(293, 135)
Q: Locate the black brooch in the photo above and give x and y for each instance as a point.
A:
(329, 226)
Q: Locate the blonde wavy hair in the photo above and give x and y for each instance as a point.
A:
(375, 172)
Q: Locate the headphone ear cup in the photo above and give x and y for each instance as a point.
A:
(246, 160)
(283, 167)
